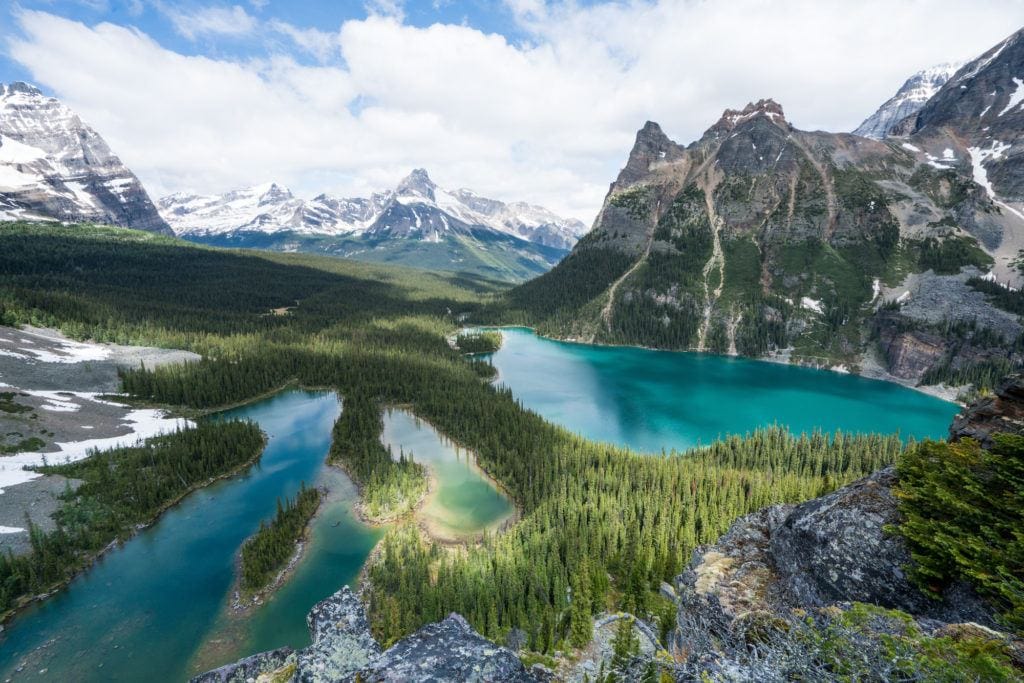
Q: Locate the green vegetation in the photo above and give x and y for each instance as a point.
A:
(121, 489)
(267, 551)
(32, 443)
(945, 187)
(591, 512)
(948, 255)
(487, 341)
(963, 509)
(635, 200)
(869, 643)
(1001, 297)
(859, 193)
(389, 487)
(635, 517)
(608, 523)
(9, 405)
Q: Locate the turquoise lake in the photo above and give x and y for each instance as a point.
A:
(654, 400)
(157, 609)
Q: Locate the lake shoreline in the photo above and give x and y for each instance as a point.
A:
(875, 371)
(243, 603)
(90, 561)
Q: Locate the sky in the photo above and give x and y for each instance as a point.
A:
(531, 100)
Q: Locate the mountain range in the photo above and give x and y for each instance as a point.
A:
(895, 256)
(55, 167)
(418, 223)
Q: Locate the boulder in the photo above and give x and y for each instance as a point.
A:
(344, 650)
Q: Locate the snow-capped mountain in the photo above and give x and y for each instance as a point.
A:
(266, 208)
(416, 208)
(907, 101)
(55, 167)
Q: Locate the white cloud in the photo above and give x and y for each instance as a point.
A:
(549, 121)
(210, 21)
(386, 8)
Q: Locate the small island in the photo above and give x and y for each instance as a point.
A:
(479, 341)
(269, 550)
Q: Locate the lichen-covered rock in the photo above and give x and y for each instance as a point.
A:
(1001, 412)
(449, 650)
(250, 668)
(835, 548)
(343, 650)
(342, 643)
(832, 549)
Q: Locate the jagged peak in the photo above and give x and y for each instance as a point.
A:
(417, 183)
(767, 107)
(20, 87)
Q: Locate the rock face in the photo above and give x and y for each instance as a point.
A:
(759, 235)
(1001, 412)
(55, 167)
(449, 650)
(418, 223)
(979, 115)
(907, 101)
(344, 650)
(832, 549)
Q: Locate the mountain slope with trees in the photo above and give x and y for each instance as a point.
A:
(759, 239)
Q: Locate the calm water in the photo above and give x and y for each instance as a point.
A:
(463, 503)
(157, 609)
(654, 400)
(141, 613)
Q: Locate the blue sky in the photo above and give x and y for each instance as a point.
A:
(152, 18)
(535, 100)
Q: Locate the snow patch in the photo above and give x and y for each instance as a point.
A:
(10, 529)
(142, 424)
(1016, 97)
(912, 148)
(812, 305)
(66, 351)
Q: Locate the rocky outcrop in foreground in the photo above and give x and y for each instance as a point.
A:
(749, 605)
(343, 649)
(1001, 412)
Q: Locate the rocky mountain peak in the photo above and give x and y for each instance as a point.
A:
(417, 184)
(980, 111)
(651, 146)
(273, 193)
(768, 108)
(20, 87)
(908, 100)
(55, 167)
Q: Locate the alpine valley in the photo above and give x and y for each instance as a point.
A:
(55, 167)
(417, 224)
(762, 423)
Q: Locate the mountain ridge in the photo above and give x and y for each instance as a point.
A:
(271, 208)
